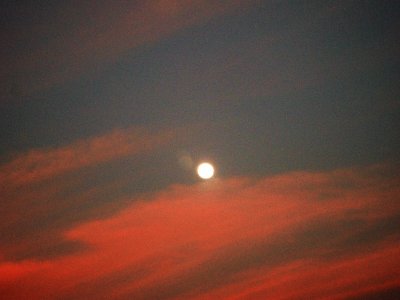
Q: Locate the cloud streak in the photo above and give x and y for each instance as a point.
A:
(40, 164)
(96, 35)
(235, 238)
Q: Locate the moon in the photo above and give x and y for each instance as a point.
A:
(205, 170)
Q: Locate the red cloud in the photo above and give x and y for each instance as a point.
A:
(299, 235)
(45, 191)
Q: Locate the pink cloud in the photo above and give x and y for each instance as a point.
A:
(97, 35)
(42, 164)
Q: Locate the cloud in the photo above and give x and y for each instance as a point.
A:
(40, 164)
(45, 191)
(297, 235)
(82, 38)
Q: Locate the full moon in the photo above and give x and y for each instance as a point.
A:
(205, 170)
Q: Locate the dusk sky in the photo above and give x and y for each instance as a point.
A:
(107, 108)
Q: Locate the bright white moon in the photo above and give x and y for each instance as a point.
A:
(205, 170)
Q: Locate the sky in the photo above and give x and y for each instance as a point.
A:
(107, 108)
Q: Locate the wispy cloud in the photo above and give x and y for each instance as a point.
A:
(40, 164)
(94, 36)
(243, 238)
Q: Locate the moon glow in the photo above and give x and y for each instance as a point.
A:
(205, 170)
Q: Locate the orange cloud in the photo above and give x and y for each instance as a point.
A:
(293, 236)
